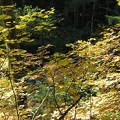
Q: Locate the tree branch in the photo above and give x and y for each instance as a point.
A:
(34, 115)
(65, 113)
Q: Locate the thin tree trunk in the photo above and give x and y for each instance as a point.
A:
(10, 25)
(76, 16)
(92, 20)
(83, 13)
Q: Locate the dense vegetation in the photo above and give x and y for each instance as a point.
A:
(59, 60)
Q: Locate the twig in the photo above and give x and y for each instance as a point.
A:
(11, 78)
(65, 113)
(34, 115)
(58, 107)
(16, 104)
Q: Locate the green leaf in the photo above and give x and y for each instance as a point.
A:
(63, 62)
(5, 17)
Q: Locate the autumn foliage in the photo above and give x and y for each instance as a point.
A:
(80, 84)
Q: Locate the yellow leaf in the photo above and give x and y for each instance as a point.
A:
(41, 85)
(61, 86)
(46, 16)
(72, 91)
(75, 98)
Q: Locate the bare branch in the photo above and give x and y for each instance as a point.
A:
(34, 115)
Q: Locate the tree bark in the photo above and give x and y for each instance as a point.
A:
(76, 16)
(92, 18)
(20, 99)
